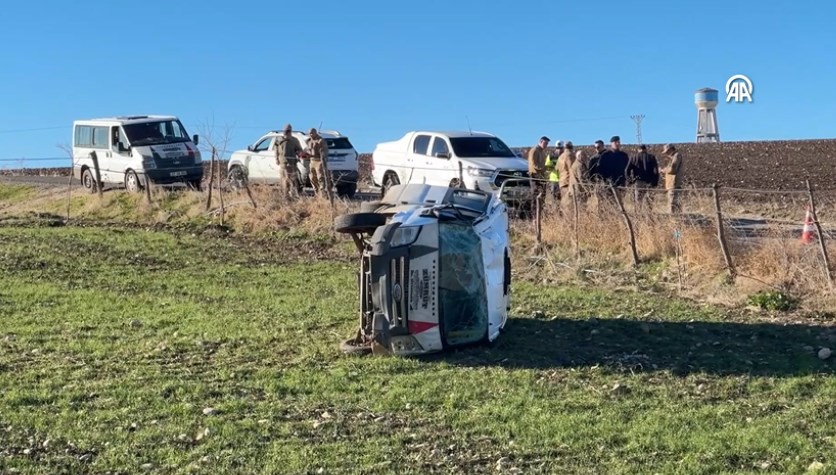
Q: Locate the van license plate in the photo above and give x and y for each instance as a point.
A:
(183, 173)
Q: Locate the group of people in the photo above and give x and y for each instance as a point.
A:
(289, 152)
(570, 175)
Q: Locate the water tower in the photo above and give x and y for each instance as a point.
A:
(707, 130)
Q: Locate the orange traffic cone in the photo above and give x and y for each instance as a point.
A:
(807, 233)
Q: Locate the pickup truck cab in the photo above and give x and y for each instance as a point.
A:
(472, 160)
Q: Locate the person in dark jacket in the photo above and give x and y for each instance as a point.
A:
(614, 162)
(642, 172)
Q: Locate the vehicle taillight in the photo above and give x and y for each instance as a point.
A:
(191, 153)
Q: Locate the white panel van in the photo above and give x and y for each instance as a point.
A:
(128, 148)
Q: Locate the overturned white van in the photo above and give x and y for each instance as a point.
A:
(129, 148)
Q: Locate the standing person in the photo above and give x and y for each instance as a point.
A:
(642, 173)
(595, 161)
(673, 177)
(318, 151)
(564, 165)
(288, 152)
(554, 174)
(615, 161)
(537, 168)
(579, 177)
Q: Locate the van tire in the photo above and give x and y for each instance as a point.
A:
(88, 181)
(132, 183)
(351, 347)
(359, 223)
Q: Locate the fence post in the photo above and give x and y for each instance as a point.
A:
(629, 226)
(211, 179)
(147, 188)
(721, 235)
(822, 243)
(577, 219)
(461, 176)
(537, 220)
(220, 189)
(70, 186)
(98, 172)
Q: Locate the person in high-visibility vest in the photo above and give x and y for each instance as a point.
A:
(554, 174)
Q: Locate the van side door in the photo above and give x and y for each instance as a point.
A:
(120, 160)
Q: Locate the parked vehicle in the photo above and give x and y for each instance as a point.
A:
(257, 164)
(129, 148)
(472, 160)
(435, 269)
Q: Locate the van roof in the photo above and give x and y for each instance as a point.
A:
(129, 119)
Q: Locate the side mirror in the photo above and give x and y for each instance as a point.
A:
(195, 139)
(250, 148)
(120, 146)
(442, 155)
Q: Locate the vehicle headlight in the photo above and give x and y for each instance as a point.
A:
(472, 171)
(405, 236)
(148, 163)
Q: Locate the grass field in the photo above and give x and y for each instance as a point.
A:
(132, 351)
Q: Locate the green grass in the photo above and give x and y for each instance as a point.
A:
(16, 193)
(113, 342)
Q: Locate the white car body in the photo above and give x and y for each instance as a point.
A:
(437, 273)
(258, 161)
(129, 148)
(474, 160)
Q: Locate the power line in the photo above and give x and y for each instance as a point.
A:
(14, 131)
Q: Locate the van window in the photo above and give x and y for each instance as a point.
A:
(156, 133)
(100, 137)
(422, 142)
(461, 286)
(83, 136)
(439, 146)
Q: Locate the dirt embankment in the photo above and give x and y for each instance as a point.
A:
(777, 165)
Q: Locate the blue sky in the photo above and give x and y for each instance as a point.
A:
(374, 70)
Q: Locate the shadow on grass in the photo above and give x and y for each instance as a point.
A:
(644, 346)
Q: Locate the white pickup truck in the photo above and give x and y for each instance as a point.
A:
(472, 160)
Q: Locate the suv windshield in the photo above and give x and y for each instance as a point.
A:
(480, 147)
(155, 133)
(338, 143)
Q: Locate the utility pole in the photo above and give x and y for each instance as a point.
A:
(638, 120)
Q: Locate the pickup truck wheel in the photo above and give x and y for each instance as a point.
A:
(237, 178)
(389, 181)
(346, 190)
(359, 223)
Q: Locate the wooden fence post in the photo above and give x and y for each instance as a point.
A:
(211, 179)
(538, 225)
(461, 176)
(629, 226)
(721, 235)
(98, 172)
(220, 189)
(70, 186)
(822, 243)
(147, 188)
(577, 220)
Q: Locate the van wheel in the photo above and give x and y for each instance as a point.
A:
(359, 223)
(88, 181)
(353, 347)
(389, 180)
(132, 183)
